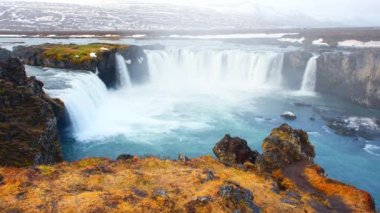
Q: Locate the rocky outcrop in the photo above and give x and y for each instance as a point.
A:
(98, 58)
(351, 75)
(232, 151)
(294, 67)
(287, 160)
(28, 119)
(5, 54)
(285, 146)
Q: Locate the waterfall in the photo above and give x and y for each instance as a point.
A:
(122, 72)
(184, 66)
(310, 75)
(82, 99)
(82, 92)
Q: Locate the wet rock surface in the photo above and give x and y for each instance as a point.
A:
(289, 116)
(232, 151)
(28, 119)
(367, 128)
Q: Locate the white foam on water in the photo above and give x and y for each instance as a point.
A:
(372, 149)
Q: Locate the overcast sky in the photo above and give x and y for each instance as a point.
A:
(362, 12)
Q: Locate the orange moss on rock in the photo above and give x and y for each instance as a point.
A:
(357, 200)
(143, 185)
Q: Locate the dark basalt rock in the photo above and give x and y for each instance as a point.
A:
(367, 128)
(124, 157)
(289, 116)
(138, 64)
(103, 64)
(283, 147)
(191, 206)
(294, 67)
(232, 151)
(354, 76)
(5, 54)
(238, 198)
(28, 119)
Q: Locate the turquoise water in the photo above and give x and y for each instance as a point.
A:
(166, 123)
(177, 116)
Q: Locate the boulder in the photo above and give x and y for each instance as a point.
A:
(365, 127)
(124, 157)
(283, 147)
(5, 54)
(232, 151)
(238, 198)
(289, 115)
(28, 119)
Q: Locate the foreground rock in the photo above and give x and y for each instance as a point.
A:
(293, 184)
(287, 159)
(97, 57)
(232, 151)
(28, 119)
(285, 146)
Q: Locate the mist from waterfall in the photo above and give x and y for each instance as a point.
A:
(310, 75)
(184, 67)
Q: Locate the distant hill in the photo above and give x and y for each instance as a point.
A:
(40, 16)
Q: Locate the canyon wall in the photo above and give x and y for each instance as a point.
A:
(28, 119)
(351, 75)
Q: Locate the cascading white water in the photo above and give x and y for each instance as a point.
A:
(310, 75)
(122, 72)
(183, 66)
(82, 92)
(83, 99)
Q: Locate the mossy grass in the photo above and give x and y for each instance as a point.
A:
(78, 54)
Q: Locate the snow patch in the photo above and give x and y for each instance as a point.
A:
(359, 44)
(93, 55)
(227, 36)
(319, 42)
(292, 40)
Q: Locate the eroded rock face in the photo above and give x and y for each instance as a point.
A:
(232, 151)
(294, 67)
(28, 119)
(285, 146)
(354, 76)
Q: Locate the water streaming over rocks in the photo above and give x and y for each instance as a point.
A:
(310, 75)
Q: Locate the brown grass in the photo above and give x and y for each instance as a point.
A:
(357, 200)
(102, 185)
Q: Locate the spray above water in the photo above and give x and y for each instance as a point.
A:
(215, 67)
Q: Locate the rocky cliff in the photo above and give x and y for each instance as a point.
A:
(352, 75)
(28, 119)
(98, 58)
